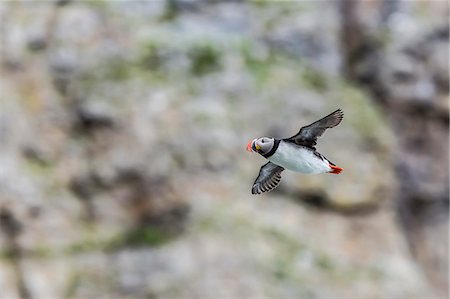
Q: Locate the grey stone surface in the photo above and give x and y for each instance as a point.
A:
(123, 171)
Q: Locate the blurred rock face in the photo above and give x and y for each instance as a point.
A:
(416, 107)
(412, 87)
(124, 173)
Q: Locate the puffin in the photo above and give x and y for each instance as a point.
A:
(297, 153)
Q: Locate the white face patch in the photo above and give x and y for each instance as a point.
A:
(266, 144)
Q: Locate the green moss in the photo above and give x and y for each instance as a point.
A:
(171, 11)
(281, 268)
(205, 58)
(263, 66)
(204, 119)
(206, 223)
(314, 79)
(151, 57)
(142, 236)
(43, 252)
(39, 167)
(368, 120)
(287, 6)
(7, 254)
(118, 69)
(97, 4)
(288, 249)
(258, 66)
(147, 236)
(73, 283)
(86, 245)
(324, 263)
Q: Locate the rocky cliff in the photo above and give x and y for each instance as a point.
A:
(123, 171)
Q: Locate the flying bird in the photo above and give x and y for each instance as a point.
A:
(296, 153)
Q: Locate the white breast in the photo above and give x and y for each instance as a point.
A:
(299, 159)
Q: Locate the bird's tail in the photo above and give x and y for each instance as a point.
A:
(335, 169)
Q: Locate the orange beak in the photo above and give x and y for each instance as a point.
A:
(249, 146)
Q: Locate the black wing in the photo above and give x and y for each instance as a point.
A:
(268, 178)
(307, 135)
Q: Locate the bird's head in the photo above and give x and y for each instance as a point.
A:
(261, 145)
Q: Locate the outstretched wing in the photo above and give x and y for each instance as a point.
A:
(268, 178)
(307, 135)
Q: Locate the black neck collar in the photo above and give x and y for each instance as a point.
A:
(273, 150)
